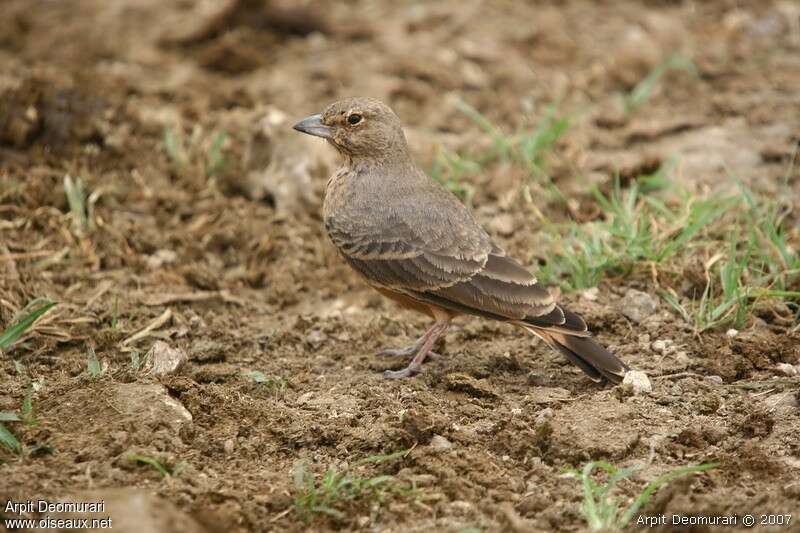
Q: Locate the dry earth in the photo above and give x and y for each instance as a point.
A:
(233, 261)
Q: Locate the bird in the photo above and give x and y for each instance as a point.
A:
(415, 242)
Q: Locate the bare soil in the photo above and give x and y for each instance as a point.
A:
(239, 258)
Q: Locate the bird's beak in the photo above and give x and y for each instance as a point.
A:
(313, 126)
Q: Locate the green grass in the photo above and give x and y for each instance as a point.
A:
(93, 366)
(81, 205)
(149, 461)
(275, 384)
(528, 149)
(636, 229)
(17, 329)
(7, 439)
(202, 155)
(601, 508)
(643, 91)
(336, 492)
(451, 169)
(749, 257)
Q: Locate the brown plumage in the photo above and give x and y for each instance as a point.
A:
(413, 241)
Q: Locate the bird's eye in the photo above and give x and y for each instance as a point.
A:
(354, 119)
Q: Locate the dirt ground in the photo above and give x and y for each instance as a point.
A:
(228, 255)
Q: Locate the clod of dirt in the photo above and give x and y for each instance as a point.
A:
(503, 224)
(637, 305)
(149, 400)
(636, 382)
(132, 511)
(756, 424)
(165, 360)
(61, 118)
(221, 17)
(467, 384)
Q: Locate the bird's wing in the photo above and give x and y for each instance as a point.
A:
(442, 257)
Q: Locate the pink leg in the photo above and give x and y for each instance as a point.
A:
(428, 340)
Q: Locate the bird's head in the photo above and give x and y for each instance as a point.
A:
(359, 128)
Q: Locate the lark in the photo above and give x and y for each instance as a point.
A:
(414, 242)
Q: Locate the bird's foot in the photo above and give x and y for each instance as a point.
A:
(411, 370)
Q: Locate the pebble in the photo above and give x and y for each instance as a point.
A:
(544, 414)
(636, 382)
(229, 446)
(732, 332)
(786, 369)
(164, 359)
(638, 305)
(440, 443)
(591, 294)
(714, 379)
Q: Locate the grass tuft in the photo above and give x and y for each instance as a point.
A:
(147, 460)
(336, 491)
(93, 365)
(601, 508)
(201, 155)
(81, 205)
(7, 439)
(17, 329)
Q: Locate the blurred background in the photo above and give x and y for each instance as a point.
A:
(640, 155)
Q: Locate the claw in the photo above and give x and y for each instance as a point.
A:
(409, 371)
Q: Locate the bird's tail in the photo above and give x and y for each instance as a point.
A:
(593, 359)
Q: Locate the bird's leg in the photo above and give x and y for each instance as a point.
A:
(411, 349)
(429, 339)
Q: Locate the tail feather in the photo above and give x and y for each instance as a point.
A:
(593, 359)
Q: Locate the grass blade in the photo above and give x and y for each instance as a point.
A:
(13, 333)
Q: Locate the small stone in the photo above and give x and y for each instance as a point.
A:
(229, 446)
(732, 332)
(164, 359)
(440, 443)
(544, 414)
(638, 305)
(304, 398)
(659, 346)
(161, 258)
(786, 369)
(536, 378)
(682, 357)
(714, 379)
(636, 382)
(590, 294)
(316, 338)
